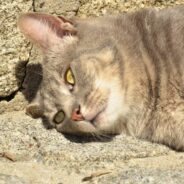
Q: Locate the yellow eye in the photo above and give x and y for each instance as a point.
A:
(59, 117)
(69, 77)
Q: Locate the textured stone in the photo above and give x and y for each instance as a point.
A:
(58, 7)
(102, 7)
(10, 179)
(32, 154)
(27, 133)
(13, 48)
(16, 104)
(145, 176)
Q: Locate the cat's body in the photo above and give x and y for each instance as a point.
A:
(127, 73)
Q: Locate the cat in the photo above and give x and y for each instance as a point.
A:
(113, 74)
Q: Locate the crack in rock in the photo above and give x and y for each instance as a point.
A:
(22, 66)
(9, 97)
(33, 6)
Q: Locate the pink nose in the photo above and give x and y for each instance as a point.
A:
(76, 115)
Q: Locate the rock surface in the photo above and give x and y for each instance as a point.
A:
(102, 7)
(32, 154)
(13, 47)
(58, 7)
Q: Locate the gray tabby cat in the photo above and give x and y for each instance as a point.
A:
(112, 75)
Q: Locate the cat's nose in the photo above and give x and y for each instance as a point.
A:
(76, 115)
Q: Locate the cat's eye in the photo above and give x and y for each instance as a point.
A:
(59, 117)
(69, 77)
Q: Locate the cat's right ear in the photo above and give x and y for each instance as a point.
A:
(45, 30)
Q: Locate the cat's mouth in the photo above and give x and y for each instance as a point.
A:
(84, 127)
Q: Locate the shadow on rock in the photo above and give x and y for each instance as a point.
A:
(89, 138)
(29, 78)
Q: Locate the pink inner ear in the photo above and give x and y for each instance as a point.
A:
(43, 29)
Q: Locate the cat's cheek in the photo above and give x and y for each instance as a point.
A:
(102, 122)
(48, 119)
(116, 109)
(59, 127)
(108, 122)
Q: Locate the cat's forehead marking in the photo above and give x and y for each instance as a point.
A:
(97, 55)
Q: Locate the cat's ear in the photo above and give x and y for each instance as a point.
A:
(45, 30)
(34, 109)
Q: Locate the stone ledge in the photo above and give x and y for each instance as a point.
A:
(28, 150)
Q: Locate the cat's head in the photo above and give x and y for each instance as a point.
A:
(81, 88)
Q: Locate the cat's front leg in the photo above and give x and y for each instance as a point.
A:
(170, 129)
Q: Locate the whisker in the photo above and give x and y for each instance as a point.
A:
(95, 136)
(106, 136)
(102, 137)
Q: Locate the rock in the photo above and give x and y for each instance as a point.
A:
(13, 47)
(10, 179)
(28, 150)
(16, 104)
(58, 7)
(145, 176)
(98, 7)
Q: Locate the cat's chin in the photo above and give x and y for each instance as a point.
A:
(83, 128)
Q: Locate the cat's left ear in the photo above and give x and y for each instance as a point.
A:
(34, 109)
(45, 30)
